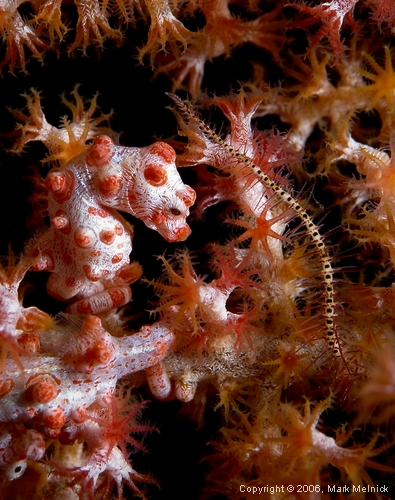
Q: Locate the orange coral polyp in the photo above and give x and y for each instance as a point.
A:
(383, 86)
(110, 185)
(165, 151)
(44, 391)
(61, 185)
(54, 418)
(101, 353)
(61, 222)
(155, 175)
(101, 152)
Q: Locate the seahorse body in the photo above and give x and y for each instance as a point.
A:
(88, 245)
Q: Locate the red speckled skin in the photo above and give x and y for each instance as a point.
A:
(17, 445)
(18, 325)
(74, 369)
(88, 245)
(63, 388)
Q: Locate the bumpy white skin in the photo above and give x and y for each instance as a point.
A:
(9, 306)
(73, 369)
(88, 245)
(14, 318)
(76, 369)
(103, 455)
(17, 445)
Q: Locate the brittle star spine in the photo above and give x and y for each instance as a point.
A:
(312, 230)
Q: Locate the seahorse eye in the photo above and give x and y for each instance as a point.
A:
(174, 211)
(17, 470)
